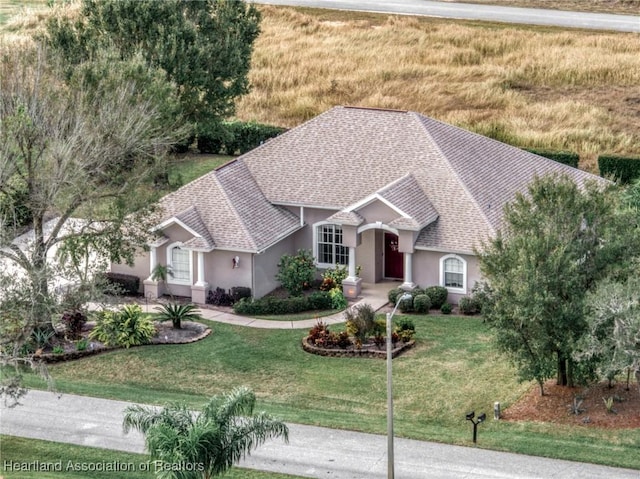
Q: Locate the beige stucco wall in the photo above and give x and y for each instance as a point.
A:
(140, 268)
(426, 271)
(266, 266)
(220, 273)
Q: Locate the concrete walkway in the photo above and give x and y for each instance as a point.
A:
(312, 451)
(372, 294)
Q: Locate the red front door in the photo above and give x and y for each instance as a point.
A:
(393, 258)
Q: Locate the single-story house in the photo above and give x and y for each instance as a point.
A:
(401, 195)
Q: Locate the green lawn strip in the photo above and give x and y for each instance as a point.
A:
(452, 370)
(83, 462)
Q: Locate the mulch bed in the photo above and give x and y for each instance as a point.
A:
(165, 334)
(557, 404)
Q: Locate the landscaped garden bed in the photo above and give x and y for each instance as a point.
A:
(76, 337)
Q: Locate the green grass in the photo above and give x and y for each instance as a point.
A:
(72, 459)
(186, 168)
(453, 370)
(298, 316)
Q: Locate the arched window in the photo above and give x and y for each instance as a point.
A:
(329, 250)
(179, 262)
(453, 273)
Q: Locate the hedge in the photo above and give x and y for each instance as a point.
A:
(622, 168)
(564, 157)
(235, 137)
(270, 305)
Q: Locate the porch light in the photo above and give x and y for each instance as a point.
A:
(390, 472)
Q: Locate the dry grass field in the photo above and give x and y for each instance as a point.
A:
(529, 86)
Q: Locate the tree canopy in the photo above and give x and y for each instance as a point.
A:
(202, 47)
(558, 241)
(69, 152)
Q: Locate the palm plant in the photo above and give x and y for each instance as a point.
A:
(203, 445)
(176, 313)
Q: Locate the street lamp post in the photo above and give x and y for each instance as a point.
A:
(390, 472)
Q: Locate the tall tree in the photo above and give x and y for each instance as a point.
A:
(558, 240)
(203, 47)
(613, 316)
(208, 444)
(61, 154)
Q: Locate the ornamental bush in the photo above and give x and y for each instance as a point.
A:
(124, 328)
(437, 295)
(422, 304)
(296, 273)
(446, 308)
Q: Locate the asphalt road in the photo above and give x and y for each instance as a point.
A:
(312, 451)
(531, 16)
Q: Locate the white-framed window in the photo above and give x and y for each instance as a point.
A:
(453, 273)
(329, 250)
(179, 262)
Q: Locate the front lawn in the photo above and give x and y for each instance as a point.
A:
(81, 462)
(452, 370)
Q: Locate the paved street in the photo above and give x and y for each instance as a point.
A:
(312, 452)
(463, 11)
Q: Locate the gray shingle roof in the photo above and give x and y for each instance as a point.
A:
(232, 210)
(450, 183)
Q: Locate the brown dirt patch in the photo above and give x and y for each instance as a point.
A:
(556, 406)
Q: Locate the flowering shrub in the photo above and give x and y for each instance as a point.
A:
(296, 273)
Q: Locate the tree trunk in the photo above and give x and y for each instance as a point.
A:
(562, 379)
(40, 289)
(638, 378)
(541, 384)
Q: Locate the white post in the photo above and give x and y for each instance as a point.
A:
(200, 269)
(153, 260)
(352, 263)
(408, 271)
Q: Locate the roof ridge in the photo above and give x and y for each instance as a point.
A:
(232, 206)
(420, 118)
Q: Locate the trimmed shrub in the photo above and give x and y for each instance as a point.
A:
(564, 157)
(422, 303)
(394, 294)
(125, 328)
(239, 292)
(320, 300)
(245, 136)
(274, 306)
(622, 168)
(406, 305)
(469, 305)
(128, 283)
(437, 295)
(219, 297)
(446, 308)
